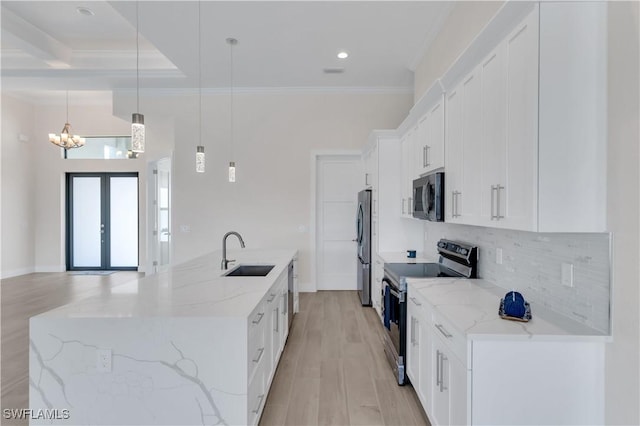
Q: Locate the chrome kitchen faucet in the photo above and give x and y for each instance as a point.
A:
(225, 261)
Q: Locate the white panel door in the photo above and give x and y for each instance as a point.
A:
(338, 182)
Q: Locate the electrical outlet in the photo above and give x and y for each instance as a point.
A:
(499, 256)
(103, 360)
(567, 274)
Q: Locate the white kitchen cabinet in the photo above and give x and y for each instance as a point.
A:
(267, 332)
(537, 160)
(429, 140)
(495, 375)
(407, 144)
(449, 388)
(572, 152)
(509, 137)
(464, 152)
(414, 320)
(419, 350)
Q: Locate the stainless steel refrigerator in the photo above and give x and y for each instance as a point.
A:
(363, 232)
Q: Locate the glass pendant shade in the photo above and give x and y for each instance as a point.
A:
(200, 159)
(137, 132)
(232, 171)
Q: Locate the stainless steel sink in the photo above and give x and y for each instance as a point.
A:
(249, 271)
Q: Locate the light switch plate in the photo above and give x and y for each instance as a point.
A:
(567, 274)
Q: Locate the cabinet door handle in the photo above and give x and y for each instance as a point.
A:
(442, 361)
(498, 215)
(438, 370)
(285, 303)
(424, 156)
(260, 315)
(493, 200)
(413, 331)
(260, 398)
(257, 358)
(453, 203)
(276, 317)
(366, 178)
(428, 159)
(444, 332)
(413, 299)
(273, 296)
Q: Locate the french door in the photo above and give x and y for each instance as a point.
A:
(102, 221)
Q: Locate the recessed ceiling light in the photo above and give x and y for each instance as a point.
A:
(343, 54)
(85, 11)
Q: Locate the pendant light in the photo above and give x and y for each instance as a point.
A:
(200, 164)
(137, 119)
(65, 139)
(232, 165)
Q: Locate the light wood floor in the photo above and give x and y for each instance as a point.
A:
(333, 370)
(28, 295)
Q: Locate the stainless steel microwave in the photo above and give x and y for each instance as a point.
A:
(428, 197)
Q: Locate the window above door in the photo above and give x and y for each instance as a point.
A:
(102, 148)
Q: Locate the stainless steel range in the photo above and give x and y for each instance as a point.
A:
(456, 260)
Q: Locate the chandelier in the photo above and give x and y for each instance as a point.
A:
(65, 139)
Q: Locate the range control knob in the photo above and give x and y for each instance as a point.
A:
(463, 251)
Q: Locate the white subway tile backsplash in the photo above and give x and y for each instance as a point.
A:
(532, 264)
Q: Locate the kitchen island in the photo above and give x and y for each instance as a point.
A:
(187, 346)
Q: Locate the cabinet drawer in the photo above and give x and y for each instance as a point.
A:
(256, 344)
(451, 337)
(256, 395)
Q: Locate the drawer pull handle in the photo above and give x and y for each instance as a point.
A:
(273, 296)
(444, 332)
(257, 409)
(438, 370)
(413, 299)
(260, 315)
(260, 352)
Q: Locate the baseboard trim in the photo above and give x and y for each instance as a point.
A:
(17, 272)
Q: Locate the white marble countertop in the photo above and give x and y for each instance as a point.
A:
(471, 306)
(195, 288)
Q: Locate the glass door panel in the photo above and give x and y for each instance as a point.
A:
(87, 222)
(123, 241)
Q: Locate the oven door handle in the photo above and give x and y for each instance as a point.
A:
(391, 289)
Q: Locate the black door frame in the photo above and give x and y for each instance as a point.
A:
(105, 218)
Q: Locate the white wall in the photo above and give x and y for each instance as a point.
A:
(17, 182)
(622, 358)
(33, 174)
(275, 134)
(466, 20)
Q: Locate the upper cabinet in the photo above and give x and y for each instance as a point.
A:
(526, 126)
(429, 139)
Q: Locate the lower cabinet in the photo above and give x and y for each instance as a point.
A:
(434, 367)
(501, 379)
(267, 330)
(449, 387)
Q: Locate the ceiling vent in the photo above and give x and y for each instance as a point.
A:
(333, 70)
